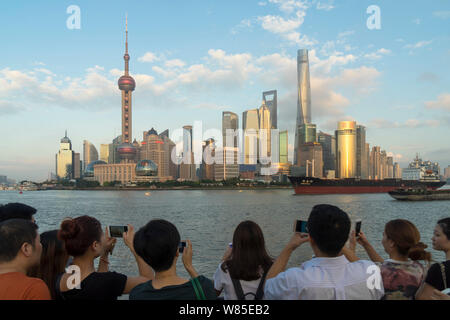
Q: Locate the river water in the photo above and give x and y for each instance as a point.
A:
(208, 217)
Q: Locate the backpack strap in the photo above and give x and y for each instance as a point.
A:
(444, 278)
(238, 288)
(198, 289)
(260, 292)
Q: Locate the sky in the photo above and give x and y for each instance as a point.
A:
(192, 60)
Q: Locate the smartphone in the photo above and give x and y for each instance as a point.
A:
(182, 246)
(301, 226)
(117, 231)
(230, 245)
(358, 227)
(446, 291)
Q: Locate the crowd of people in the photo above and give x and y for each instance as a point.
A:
(61, 264)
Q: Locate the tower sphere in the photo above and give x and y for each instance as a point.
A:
(126, 83)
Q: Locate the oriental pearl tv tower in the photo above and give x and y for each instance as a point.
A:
(127, 84)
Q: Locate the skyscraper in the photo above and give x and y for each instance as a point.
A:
(90, 153)
(230, 121)
(264, 125)
(104, 152)
(361, 161)
(250, 128)
(329, 151)
(284, 146)
(310, 157)
(65, 159)
(270, 100)
(187, 167)
(306, 133)
(346, 149)
(303, 95)
(126, 85)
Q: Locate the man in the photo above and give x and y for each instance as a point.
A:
(20, 250)
(17, 211)
(328, 276)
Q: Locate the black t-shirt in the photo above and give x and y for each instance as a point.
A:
(434, 276)
(98, 286)
(185, 291)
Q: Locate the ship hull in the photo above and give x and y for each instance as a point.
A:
(305, 185)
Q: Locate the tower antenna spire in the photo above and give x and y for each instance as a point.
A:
(126, 33)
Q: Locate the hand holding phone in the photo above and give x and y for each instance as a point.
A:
(358, 227)
(117, 231)
(301, 226)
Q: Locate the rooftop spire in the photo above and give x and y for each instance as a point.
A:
(126, 57)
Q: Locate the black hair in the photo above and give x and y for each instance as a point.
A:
(16, 211)
(329, 227)
(13, 234)
(157, 243)
(445, 225)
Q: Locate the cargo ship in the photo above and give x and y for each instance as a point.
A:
(309, 185)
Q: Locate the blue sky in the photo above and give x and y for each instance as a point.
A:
(194, 59)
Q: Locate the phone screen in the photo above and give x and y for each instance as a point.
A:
(357, 227)
(301, 226)
(182, 246)
(117, 231)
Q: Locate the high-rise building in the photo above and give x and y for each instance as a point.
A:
(375, 163)
(250, 128)
(361, 160)
(310, 157)
(265, 144)
(303, 96)
(226, 166)
(76, 166)
(114, 156)
(284, 146)
(127, 151)
(270, 100)
(152, 148)
(104, 152)
(187, 167)
(207, 166)
(306, 133)
(367, 151)
(65, 159)
(346, 149)
(397, 171)
(230, 125)
(328, 143)
(390, 168)
(447, 173)
(170, 147)
(383, 164)
(90, 153)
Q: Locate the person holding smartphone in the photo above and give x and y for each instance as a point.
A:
(158, 243)
(244, 266)
(85, 240)
(402, 273)
(438, 276)
(327, 276)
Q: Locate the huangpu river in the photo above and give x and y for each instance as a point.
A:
(208, 217)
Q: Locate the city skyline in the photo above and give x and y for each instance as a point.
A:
(362, 84)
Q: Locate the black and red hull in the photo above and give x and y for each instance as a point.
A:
(308, 185)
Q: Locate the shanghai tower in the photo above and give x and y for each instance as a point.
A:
(303, 95)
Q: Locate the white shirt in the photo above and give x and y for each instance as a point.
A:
(325, 279)
(222, 281)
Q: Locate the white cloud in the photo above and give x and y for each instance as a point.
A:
(149, 57)
(419, 44)
(442, 102)
(442, 14)
(277, 24)
(325, 6)
(378, 54)
(175, 63)
(346, 33)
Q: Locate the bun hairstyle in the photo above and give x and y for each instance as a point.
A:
(407, 239)
(79, 233)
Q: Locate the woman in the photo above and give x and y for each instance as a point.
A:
(53, 260)
(402, 274)
(244, 265)
(158, 243)
(85, 240)
(438, 271)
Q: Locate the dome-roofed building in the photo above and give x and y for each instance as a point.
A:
(146, 168)
(127, 151)
(89, 171)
